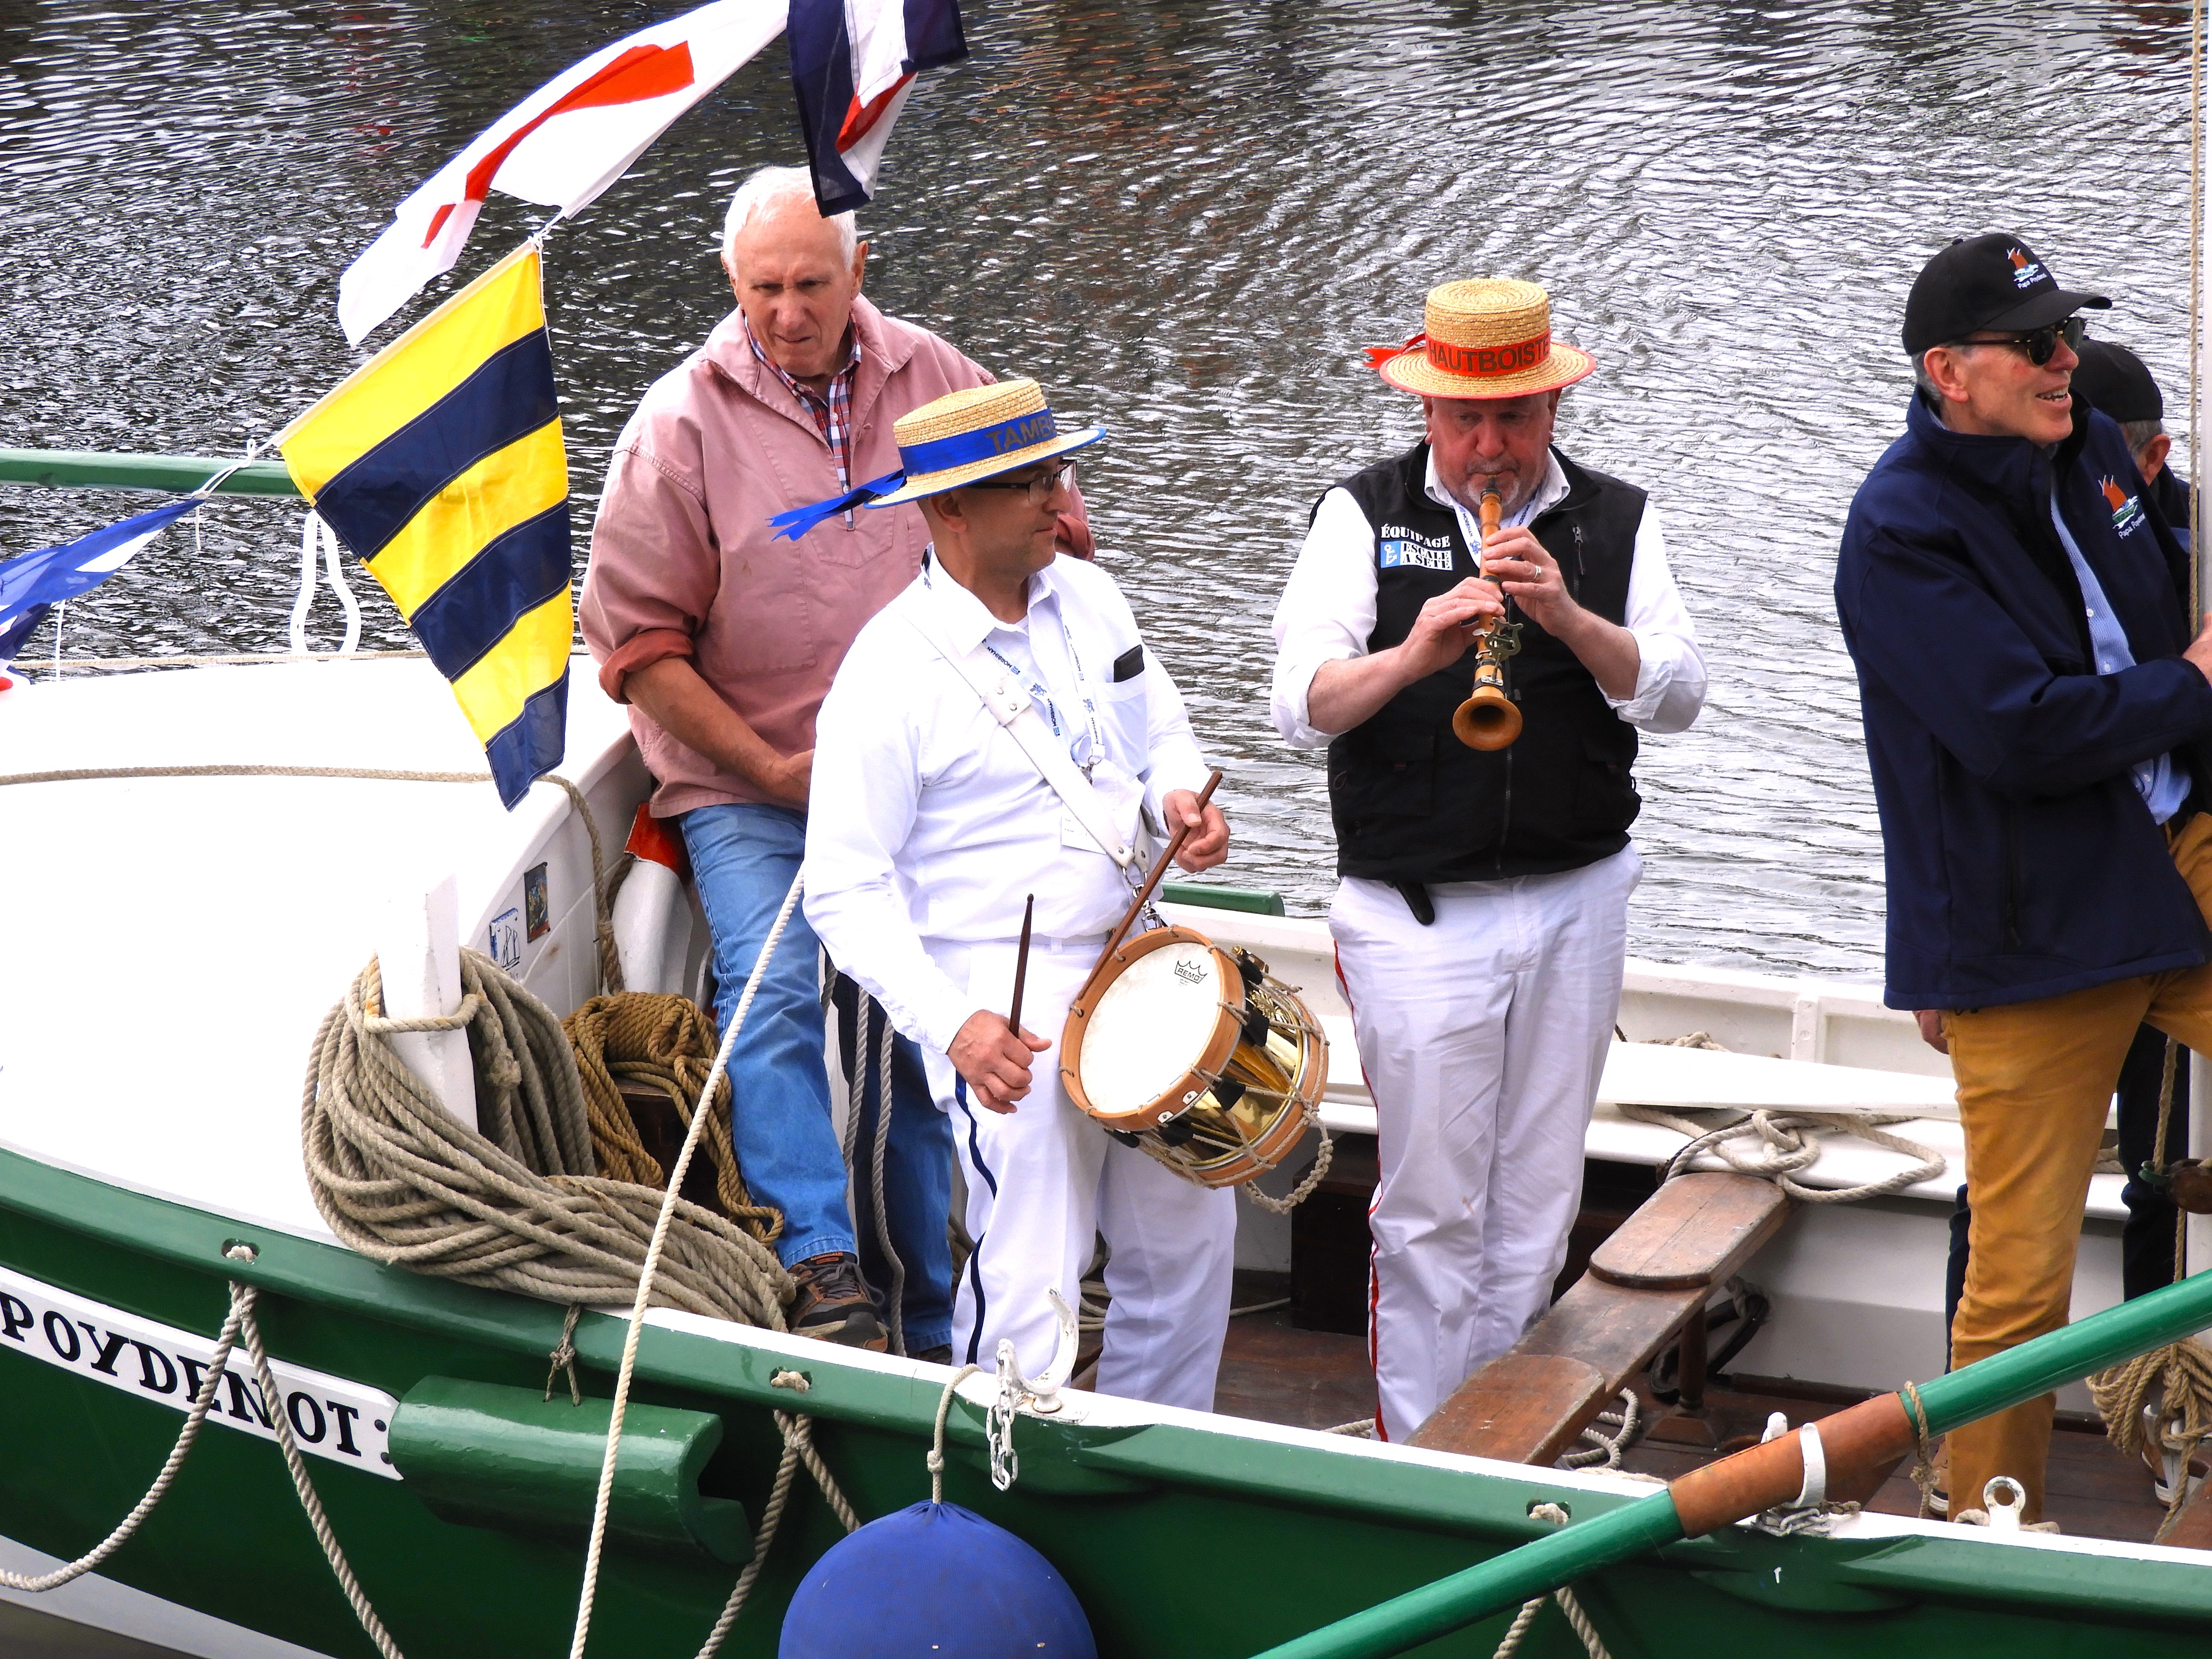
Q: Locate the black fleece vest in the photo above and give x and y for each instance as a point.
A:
(1414, 804)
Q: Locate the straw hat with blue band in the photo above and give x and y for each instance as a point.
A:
(960, 438)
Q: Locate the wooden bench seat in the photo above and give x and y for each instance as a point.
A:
(1646, 1283)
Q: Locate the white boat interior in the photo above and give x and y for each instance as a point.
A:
(154, 1022)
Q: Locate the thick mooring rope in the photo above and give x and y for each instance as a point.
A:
(2178, 1379)
(520, 1207)
(668, 1041)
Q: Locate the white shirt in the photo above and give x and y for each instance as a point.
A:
(925, 821)
(1328, 611)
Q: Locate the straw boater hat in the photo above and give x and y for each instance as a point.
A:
(961, 437)
(1487, 337)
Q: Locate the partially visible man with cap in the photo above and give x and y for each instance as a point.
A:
(1481, 919)
(2116, 383)
(929, 822)
(2036, 717)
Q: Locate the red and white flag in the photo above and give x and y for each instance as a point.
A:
(560, 146)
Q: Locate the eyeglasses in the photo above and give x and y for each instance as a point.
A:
(1040, 488)
(2041, 344)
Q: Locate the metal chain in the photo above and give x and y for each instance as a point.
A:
(999, 1427)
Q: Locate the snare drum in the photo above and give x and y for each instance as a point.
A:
(1195, 1053)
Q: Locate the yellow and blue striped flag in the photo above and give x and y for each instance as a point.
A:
(439, 463)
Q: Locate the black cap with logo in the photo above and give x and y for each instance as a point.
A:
(2114, 380)
(1994, 282)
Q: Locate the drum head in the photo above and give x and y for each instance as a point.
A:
(1153, 1026)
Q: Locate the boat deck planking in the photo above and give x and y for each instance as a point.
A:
(1274, 1372)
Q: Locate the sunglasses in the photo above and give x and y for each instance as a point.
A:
(2041, 344)
(1040, 488)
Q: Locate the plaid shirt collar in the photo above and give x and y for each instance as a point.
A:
(832, 411)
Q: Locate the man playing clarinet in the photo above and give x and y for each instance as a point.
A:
(933, 818)
(1482, 915)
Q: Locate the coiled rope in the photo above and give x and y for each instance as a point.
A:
(666, 1041)
(520, 1207)
(1787, 1141)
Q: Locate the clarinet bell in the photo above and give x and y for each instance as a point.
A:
(1488, 720)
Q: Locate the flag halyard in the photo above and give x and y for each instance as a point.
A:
(439, 463)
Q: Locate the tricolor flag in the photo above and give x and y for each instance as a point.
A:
(35, 583)
(853, 62)
(560, 146)
(439, 463)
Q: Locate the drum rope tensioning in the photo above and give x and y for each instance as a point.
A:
(1201, 1058)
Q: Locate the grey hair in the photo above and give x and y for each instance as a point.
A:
(772, 187)
(1924, 382)
(2139, 434)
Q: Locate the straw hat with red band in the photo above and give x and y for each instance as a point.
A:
(1490, 337)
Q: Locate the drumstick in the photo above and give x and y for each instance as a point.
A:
(1159, 868)
(1022, 965)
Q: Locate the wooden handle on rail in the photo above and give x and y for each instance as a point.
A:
(1856, 1442)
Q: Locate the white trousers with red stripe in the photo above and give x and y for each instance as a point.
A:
(1483, 1036)
(1044, 1179)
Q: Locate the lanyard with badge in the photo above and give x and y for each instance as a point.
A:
(1094, 733)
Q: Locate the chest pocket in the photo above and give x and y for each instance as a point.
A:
(1124, 711)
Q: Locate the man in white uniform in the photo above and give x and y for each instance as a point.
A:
(930, 822)
(1482, 916)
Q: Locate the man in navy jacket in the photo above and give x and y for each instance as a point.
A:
(2036, 715)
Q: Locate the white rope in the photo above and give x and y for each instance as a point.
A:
(241, 1301)
(1605, 1449)
(129, 1524)
(1790, 1141)
(798, 1449)
(699, 1113)
(1569, 1608)
(937, 1440)
(241, 1322)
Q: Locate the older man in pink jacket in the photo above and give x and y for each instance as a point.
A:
(723, 642)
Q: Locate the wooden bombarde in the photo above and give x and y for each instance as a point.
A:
(1489, 718)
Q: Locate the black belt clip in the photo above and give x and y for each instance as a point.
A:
(1418, 901)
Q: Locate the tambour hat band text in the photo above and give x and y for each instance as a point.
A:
(960, 438)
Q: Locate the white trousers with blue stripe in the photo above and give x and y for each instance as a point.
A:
(1044, 1179)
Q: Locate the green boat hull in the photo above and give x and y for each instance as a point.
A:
(1179, 1540)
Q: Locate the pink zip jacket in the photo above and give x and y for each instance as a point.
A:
(682, 564)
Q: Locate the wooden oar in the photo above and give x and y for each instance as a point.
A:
(1855, 1443)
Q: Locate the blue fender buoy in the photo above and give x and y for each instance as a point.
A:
(934, 1582)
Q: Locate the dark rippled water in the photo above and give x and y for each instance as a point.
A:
(1186, 217)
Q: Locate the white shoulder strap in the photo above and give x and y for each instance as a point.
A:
(1011, 707)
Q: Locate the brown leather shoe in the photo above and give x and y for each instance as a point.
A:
(833, 1304)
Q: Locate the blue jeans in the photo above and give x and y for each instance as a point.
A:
(917, 1178)
(744, 858)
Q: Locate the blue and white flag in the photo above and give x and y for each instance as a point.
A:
(33, 584)
(853, 62)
